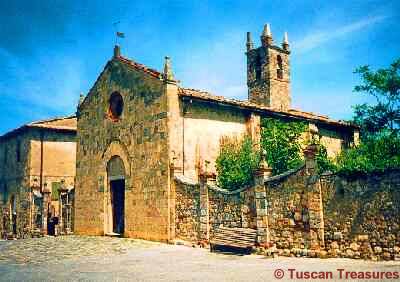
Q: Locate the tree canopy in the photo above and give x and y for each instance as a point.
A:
(384, 86)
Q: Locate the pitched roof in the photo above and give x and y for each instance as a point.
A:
(292, 113)
(139, 67)
(206, 96)
(128, 62)
(62, 123)
(66, 124)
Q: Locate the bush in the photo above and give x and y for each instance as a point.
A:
(324, 163)
(375, 154)
(236, 163)
(280, 140)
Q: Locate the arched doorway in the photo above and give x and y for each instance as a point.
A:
(116, 181)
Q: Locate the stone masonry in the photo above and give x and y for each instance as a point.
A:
(35, 161)
(299, 213)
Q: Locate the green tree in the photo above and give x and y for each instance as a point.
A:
(376, 153)
(380, 122)
(384, 85)
(280, 140)
(236, 163)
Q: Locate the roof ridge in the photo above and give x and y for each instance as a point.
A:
(49, 120)
(248, 104)
(139, 66)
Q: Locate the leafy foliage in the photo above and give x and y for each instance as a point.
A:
(324, 163)
(380, 122)
(384, 85)
(236, 163)
(280, 140)
(376, 153)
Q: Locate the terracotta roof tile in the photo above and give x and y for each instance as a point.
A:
(62, 123)
(67, 123)
(140, 67)
(206, 96)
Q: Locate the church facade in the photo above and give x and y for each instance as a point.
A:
(137, 128)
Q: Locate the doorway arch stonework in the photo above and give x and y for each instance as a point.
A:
(115, 151)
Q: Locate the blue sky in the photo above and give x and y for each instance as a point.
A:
(50, 51)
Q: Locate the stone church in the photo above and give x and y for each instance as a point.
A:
(138, 128)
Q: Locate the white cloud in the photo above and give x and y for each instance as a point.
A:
(317, 38)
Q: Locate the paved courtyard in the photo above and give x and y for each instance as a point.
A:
(88, 258)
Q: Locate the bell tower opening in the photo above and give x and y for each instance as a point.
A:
(268, 72)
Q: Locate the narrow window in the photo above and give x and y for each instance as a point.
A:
(279, 71)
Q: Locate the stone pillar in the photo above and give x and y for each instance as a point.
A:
(60, 214)
(314, 199)
(45, 208)
(261, 208)
(171, 203)
(204, 209)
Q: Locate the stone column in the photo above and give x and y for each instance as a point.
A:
(314, 199)
(204, 209)
(261, 207)
(45, 209)
(171, 203)
(60, 214)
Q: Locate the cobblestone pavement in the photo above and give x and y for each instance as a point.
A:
(86, 258)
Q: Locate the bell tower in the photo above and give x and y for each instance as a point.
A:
(268, 71)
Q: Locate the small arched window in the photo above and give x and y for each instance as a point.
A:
(115, 106)
(279, 71)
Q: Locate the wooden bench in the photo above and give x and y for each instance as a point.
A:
(237, 238)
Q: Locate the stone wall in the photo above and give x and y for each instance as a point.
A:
(294, 211)
(222, 208)
(140, 138)
(18, 175)
(232, 209)
(362, 216)
(187, 211)
(306, 214)
(14, 180)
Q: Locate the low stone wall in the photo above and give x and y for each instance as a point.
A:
(300, 213)
(362, 216)
(199, 213)
(232, 209)
(187, 211)
(294, 211)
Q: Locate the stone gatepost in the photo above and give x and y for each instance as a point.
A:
(314, 199)
(172, 202)
(45, 208)
(261, 207)
(204, 209)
